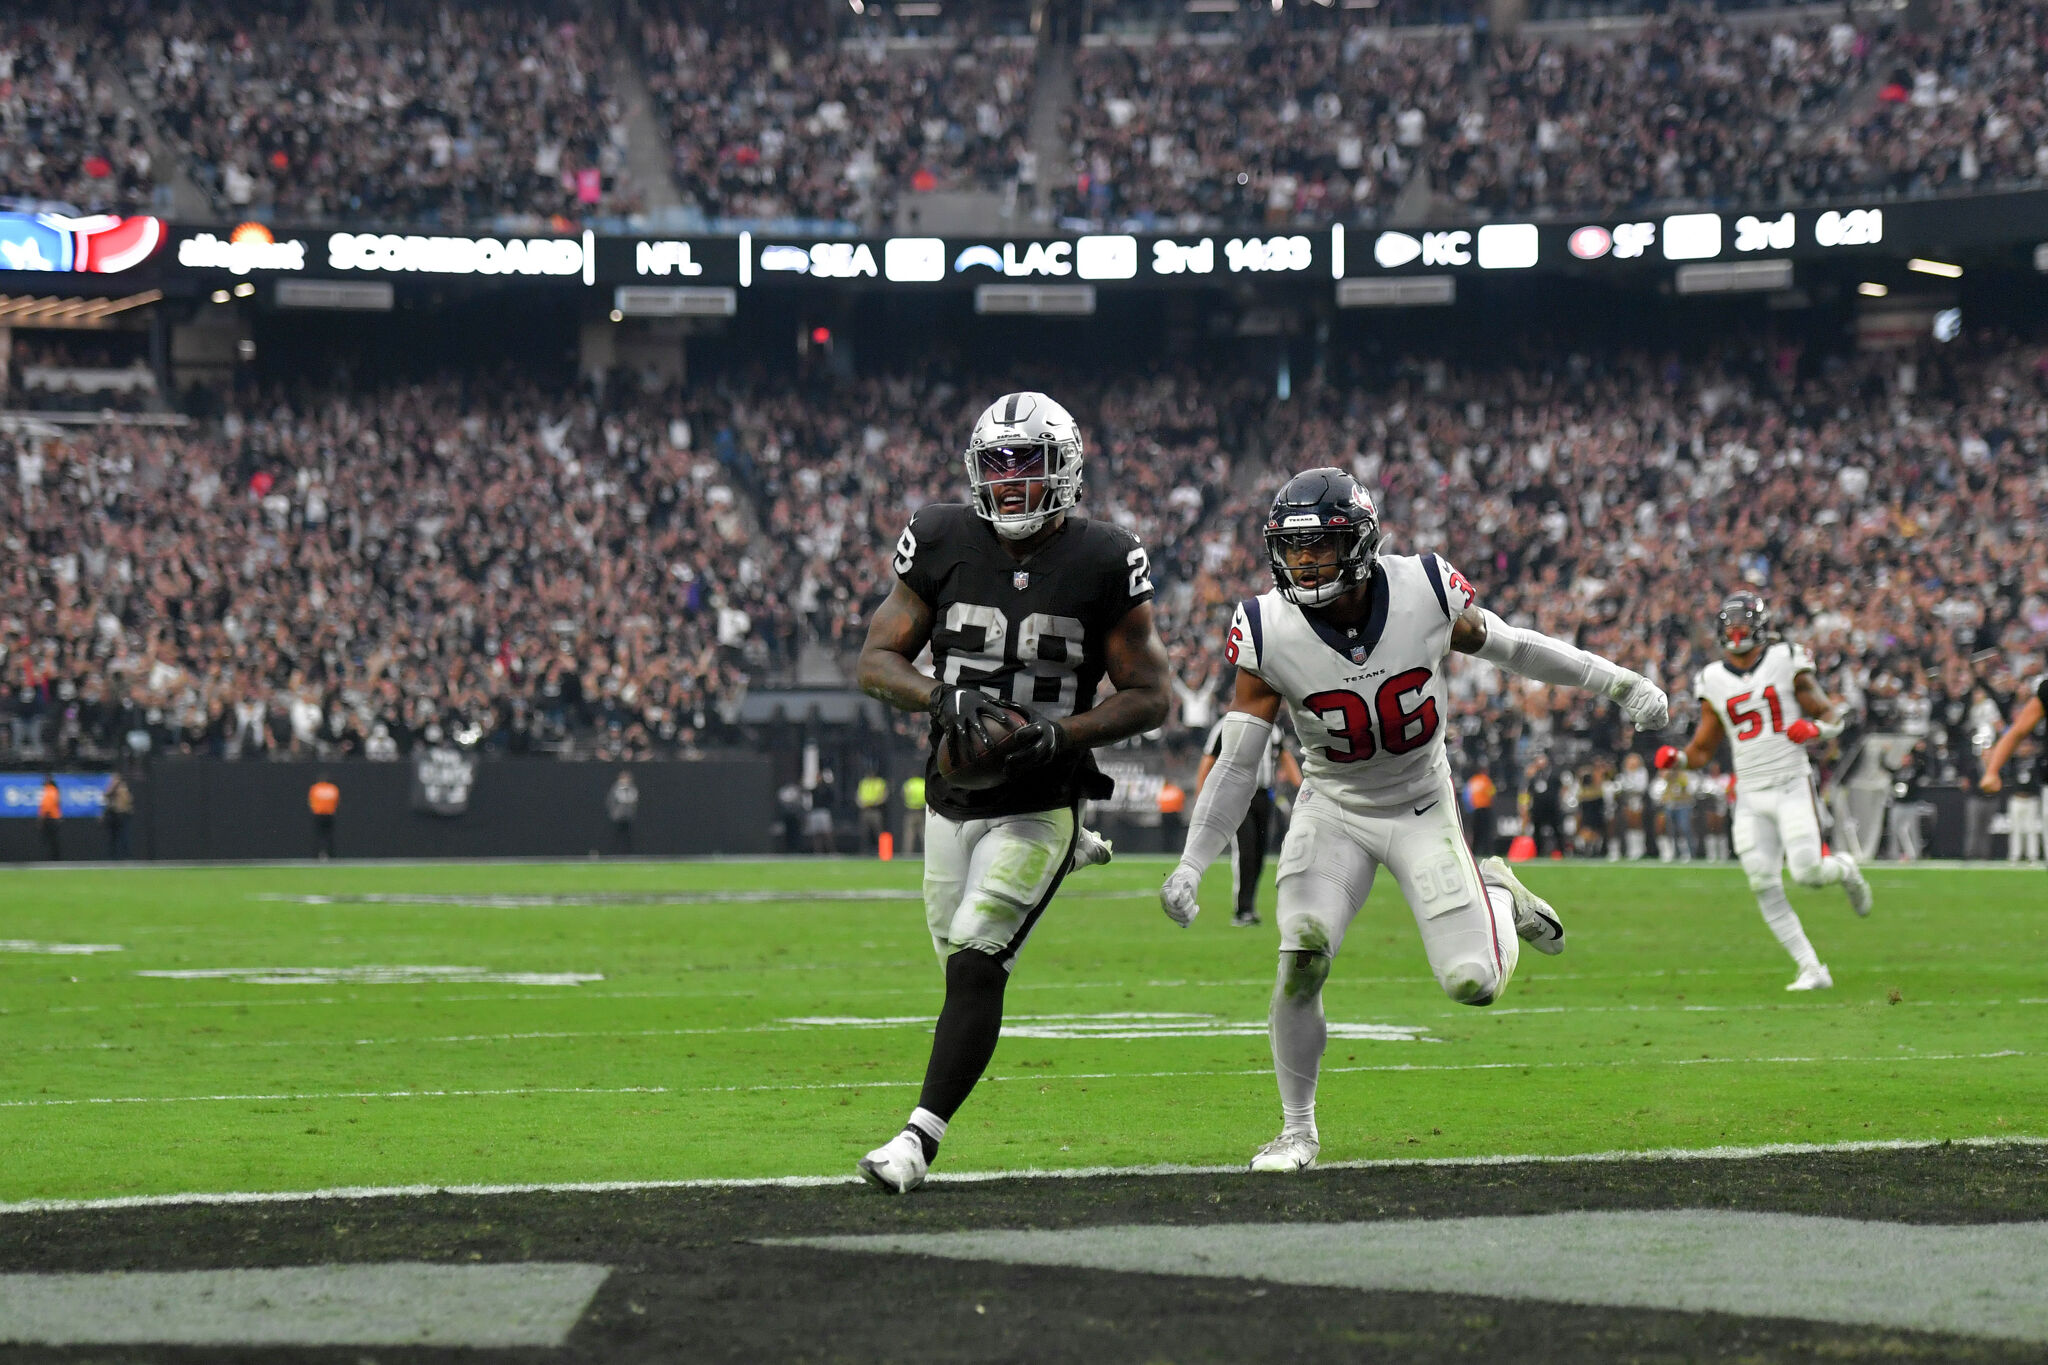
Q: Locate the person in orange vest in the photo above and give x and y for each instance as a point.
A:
(50, 818)
(324, 800)
(1479, 794)
(1173, 803)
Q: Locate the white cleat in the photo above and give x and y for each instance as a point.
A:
(1090, 850)
(898, 1165)
(1814, 978)
(1288, 1153)
(1853, 882)
(1535, 922)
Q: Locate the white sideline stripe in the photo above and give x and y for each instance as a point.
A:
(1204, 1025)
(828, 861)
(1611, 1157)
(1040, 1077)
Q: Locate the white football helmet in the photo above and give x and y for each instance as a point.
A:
(1024, 438)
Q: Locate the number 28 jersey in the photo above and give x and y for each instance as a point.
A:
(1032, 632)
(1368, 702)
(1754, 706)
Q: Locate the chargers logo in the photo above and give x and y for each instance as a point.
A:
(100, 244)
(978, 255)
(791, 258)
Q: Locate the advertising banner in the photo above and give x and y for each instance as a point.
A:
(83, 794)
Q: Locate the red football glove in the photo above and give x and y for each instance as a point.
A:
(1802, 730)
(1667, 755)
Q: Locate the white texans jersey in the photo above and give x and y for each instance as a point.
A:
(1368, 702)
(1754, 706)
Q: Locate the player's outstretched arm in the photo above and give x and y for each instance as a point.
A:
(1823, 719)
(2022, 725)
(1225, 796)
(1533, 654)
(897, 634)
(1705, 741)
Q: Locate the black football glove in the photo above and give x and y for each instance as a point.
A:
(961, 713)
(1035, 745)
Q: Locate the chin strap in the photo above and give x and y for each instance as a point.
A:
(1536, 655)
(1227, 794)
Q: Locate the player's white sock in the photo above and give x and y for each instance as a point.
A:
(1502, 902)
(1784, 922)
(1299, 1036)
(930, 1129)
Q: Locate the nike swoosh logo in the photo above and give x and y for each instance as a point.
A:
(1431, 806)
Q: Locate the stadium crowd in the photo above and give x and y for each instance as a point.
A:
(463, 114)
(69, 134)
(450, 116)
(764, 126)
(493, 564)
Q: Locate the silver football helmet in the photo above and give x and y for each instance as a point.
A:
(1022, 439)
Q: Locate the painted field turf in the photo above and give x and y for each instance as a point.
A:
(742, 1025)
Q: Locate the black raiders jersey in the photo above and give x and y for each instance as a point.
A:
(1031, 632)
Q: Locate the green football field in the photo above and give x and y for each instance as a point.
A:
(171, 1030)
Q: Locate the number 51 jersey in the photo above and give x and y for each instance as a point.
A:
(1754, 706)
(1032, 632)
(1368, 701)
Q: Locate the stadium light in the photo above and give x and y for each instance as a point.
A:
(859, 7)
(1871, 289)
(244, 290)
(618, 316)
(221, 296)
(1941, 268)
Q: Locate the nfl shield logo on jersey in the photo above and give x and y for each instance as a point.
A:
(1358, 654)
(1020, 580)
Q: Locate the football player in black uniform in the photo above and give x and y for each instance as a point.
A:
(1022, 599)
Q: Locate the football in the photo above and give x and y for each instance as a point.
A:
(973, 766)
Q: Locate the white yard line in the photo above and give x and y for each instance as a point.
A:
(144, 1201)
(1041, 1077)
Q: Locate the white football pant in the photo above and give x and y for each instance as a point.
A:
(986, 882)
(1326, 871)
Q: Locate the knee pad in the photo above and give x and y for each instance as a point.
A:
(1763, 881)
(1810, 874)
(1302, 974)
(1470, 983)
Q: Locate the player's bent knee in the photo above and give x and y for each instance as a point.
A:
(1470, 983)
(1302, 974)
(1764, 881)
(1810, 874)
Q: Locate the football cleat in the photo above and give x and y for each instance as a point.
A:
(1814, 978)
(1288, 1153)
(1090, 850)
(1853, 882)
(898, 1165)
(1245, 919)
(1535, 922)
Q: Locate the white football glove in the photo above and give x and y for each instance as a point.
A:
(1643, 702)
(1177, 897)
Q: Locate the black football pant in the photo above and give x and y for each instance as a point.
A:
(1252, 837)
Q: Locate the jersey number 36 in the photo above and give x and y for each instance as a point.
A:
(1350, 722)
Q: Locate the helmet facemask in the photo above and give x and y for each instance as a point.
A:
(1333, 559)
(1021, 485)
(1743, 624)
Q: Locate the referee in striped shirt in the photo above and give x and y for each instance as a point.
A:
(1248, 848)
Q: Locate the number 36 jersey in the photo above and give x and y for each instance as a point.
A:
(1032, 632)
(1754, 706)
(1368, 701)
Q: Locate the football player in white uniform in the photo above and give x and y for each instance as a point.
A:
(1353, 642)
(1763, 696)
